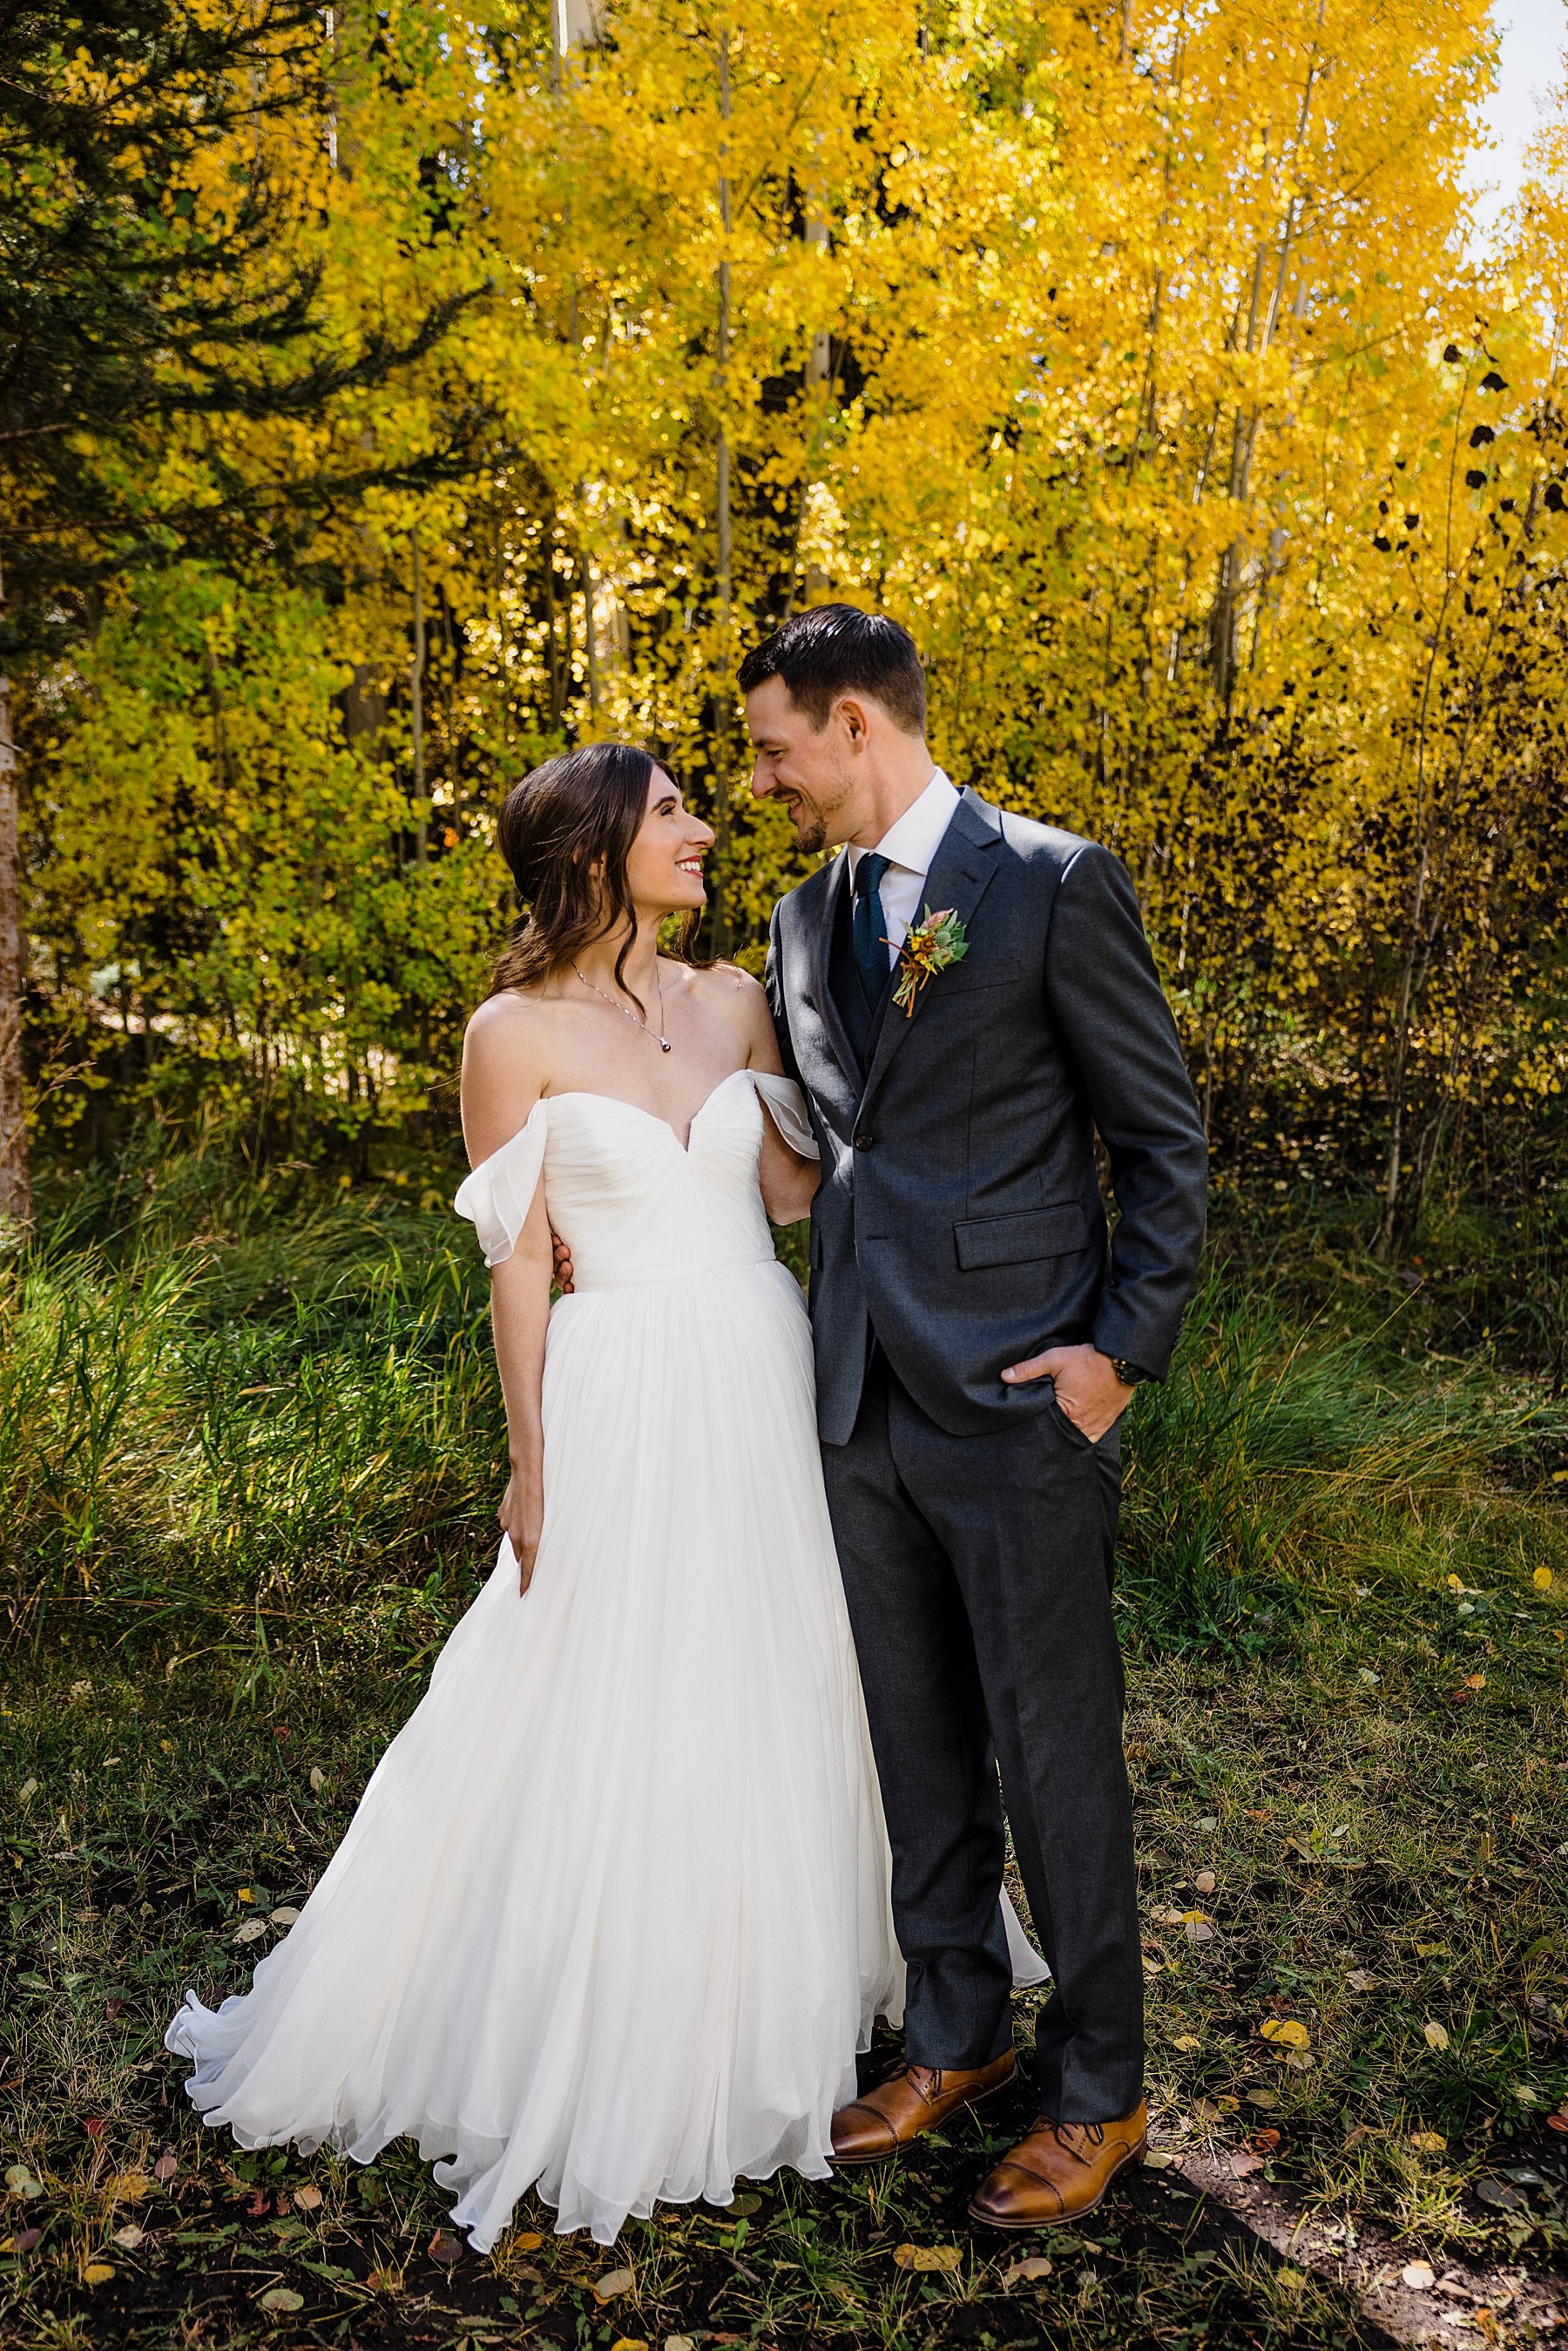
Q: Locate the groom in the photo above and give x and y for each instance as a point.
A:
(978, 1339)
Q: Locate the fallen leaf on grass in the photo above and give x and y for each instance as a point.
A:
(23, 2242)
(285, 1917)
(166, 2167)
(1436, 2038)
(94, 2127)
(445, 2248)
(1265, 2099)
(629, 2343)
(1026, 2272)
(307, 2197)
(1206, 1881)
(26, 1791)
(1499, 2194)
(1286, 2033)
(21, 2181)
(1198, 1930)
(97, 2272)
(1360, 1980)
(130, 2237)
(1557, 2122)
(1158, 2159)
(1429, 2142)
(282, 2298)
(1244, 2166)
(252, 1930)
(527, 2242)
(1187, 2041)
(1268, 2139)
(1420, 2276)
(613, 2282)
(929, 2257)
(129, 2187)
(317, 1779)
(1541, 1579)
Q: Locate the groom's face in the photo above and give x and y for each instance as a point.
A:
(808, 770)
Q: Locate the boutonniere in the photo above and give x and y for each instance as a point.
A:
(933, 944)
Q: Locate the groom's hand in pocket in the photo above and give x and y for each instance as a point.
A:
(1088, 1388)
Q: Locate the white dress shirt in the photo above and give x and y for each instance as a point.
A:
(910, 845)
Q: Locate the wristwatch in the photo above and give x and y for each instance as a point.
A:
(1129, 1374)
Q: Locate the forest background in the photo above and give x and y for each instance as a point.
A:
(388, 398)
(1134, 357)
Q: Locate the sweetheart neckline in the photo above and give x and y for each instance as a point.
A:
(587, 1093)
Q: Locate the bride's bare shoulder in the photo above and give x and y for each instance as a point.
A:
(734, 998)
(506, 1044)
(507, 1020)
(505, 1068)
(726, 988)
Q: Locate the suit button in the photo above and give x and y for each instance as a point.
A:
(864, 1141)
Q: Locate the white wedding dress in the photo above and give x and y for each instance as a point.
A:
(611, 1920)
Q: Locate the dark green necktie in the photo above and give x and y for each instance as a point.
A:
(869, 927)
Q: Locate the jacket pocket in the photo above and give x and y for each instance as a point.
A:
(1016, 1239)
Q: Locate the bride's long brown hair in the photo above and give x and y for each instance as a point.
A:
(565, 832)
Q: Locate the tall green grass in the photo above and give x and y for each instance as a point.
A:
(238, 1412)
(234, 1413)
(1280, 1462)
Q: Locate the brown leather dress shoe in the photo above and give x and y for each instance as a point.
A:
(1059, 2172)
(915, 2099)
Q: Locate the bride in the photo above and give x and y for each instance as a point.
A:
(611, 1921)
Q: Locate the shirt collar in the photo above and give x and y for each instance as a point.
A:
(912, 840)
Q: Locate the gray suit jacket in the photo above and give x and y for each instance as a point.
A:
(960, 1214)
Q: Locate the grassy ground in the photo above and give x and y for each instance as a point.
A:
(247, 1448)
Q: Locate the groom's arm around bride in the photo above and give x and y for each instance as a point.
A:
(978, 1332)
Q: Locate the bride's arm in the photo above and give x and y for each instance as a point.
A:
(502, 1082)
(788, 1181)
(519, 1310)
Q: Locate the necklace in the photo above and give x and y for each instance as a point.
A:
(639, 1019)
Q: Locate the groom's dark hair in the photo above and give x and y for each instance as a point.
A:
(835, 649)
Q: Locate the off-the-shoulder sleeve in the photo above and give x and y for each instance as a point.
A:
(785, 1105)
(496, 1197)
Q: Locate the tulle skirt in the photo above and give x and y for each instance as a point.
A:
(611, 1920)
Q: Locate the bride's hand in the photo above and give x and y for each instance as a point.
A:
(522, 1514)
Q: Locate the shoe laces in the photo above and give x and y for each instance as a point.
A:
(1064, 2134)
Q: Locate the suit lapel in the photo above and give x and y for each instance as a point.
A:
(961, 872)
(838, 1036)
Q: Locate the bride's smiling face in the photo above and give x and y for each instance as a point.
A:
(664, 863)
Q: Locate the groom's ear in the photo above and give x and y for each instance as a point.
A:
(856, 717)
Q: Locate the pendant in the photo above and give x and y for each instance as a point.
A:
(664, 1044)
